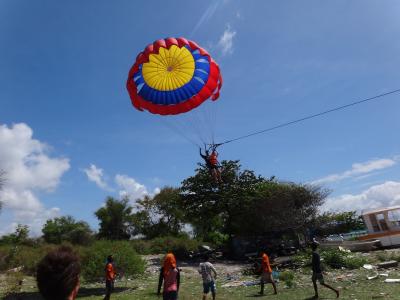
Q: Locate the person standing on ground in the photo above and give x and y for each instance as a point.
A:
(209, 274)
(58, 273)
(317, 271)
(110, 276)
(170, 274)
(266, 275)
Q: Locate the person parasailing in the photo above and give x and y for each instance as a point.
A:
(211, 160)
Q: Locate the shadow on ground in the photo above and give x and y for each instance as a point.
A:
(100, 291)
(24, 296)
(83, 292)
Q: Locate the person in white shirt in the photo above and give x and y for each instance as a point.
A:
(209, 274)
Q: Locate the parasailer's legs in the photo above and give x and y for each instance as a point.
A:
(216, 174)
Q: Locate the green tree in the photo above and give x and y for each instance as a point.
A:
(246, 204)
(20, 235)
(66, 228)
(338, 222)
(116, 221)
(212, 208)
(281, 207)
(161, 215)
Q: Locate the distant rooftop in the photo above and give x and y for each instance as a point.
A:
(375, 210)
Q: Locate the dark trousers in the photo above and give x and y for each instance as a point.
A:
(173, 295)
(109, 289)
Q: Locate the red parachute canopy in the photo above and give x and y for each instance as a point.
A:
(173, 76)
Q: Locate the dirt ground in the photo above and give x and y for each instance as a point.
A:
(232, 284)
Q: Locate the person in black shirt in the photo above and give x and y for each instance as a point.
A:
(317, 272)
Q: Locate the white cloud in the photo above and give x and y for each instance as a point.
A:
(130, 188)
(207, 15)
(381, 195)
(359, 169)
(125, 186)
(96, 175)
(29, 170)
(225, 42)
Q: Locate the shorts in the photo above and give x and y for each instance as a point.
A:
(317, 277)
(207, 286)
(266, 277)
(173, 295)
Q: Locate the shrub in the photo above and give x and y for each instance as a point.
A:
(354, 262)
(388, 255)
(23, 256)
(13, 284)
(181, 247)
(142, 247)
(127, 262)
(287, 277)
(333, 258)
(338, 259)
(302, 258)
(218, 239)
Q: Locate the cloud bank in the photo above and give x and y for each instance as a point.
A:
(29, 170)
(381, 195)
(126, 186)
(359, 169)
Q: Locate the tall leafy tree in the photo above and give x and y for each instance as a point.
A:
(281, 207)
(215, 208)
(160, 215)
(66, 228)
(246, 204)
(116, 221)
(340, 222)
(20, 235)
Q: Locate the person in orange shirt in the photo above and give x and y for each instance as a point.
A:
(266, 275)
(110, 277)
(212, 162)
(170, 274)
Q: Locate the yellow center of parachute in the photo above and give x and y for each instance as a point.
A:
(169, 69)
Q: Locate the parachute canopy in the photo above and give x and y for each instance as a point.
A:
(173, 76)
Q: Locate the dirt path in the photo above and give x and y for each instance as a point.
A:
(225, 268)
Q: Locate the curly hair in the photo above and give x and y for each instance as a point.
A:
(58, 274)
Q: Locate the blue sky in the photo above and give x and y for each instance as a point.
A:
(69, 135)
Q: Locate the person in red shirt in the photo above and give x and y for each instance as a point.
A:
(266, 275)
(110, 276)
(170, 274)
(212, 162)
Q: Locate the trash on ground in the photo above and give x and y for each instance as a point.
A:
(343, 249)
(237, 283)
(368, 266)
(392, 280)
(388, 264)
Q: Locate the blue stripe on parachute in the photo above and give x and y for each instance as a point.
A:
(185, 92)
